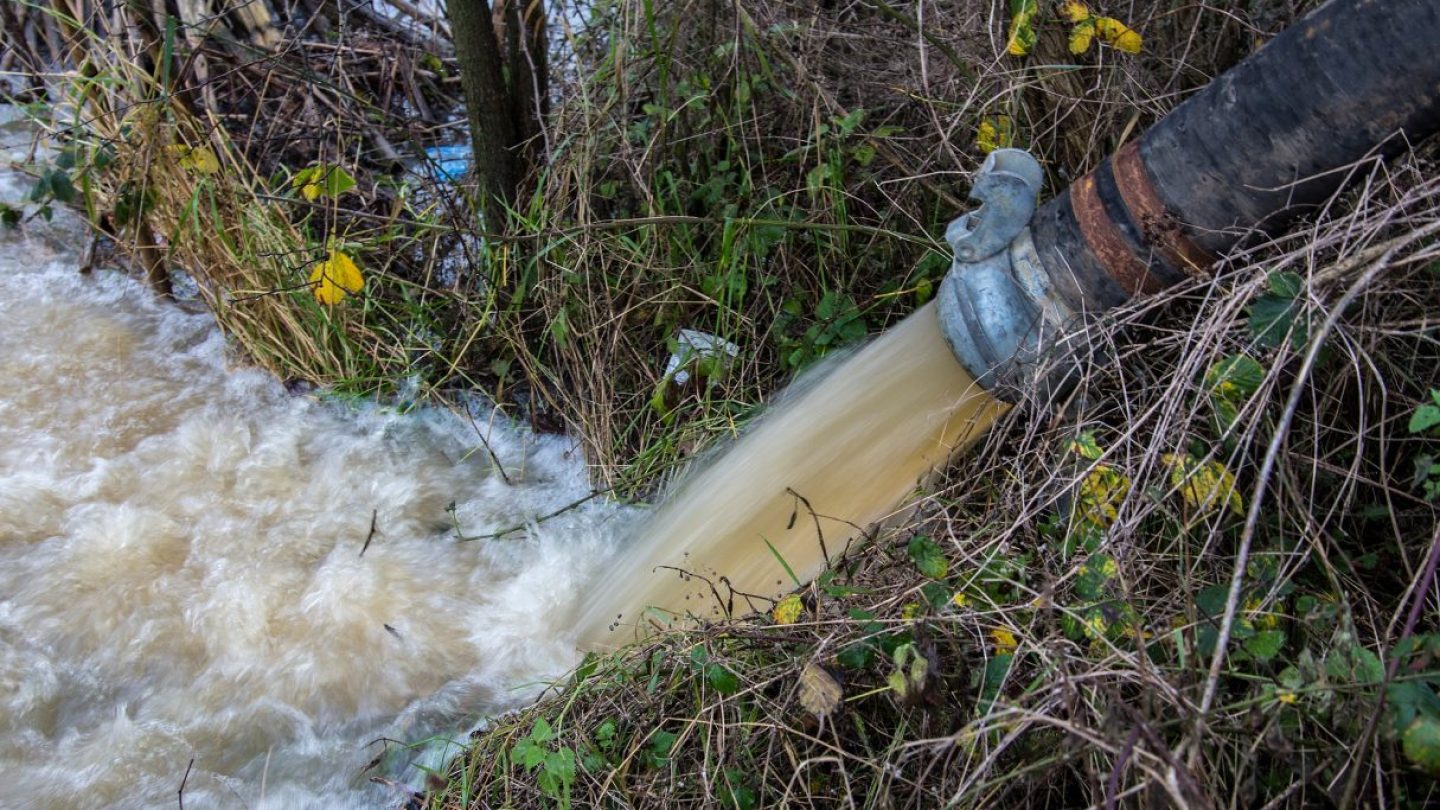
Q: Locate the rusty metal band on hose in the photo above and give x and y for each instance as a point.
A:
(1125, 225)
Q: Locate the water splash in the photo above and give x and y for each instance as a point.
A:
(180, 560)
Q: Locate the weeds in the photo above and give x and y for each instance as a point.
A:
(1203, 582)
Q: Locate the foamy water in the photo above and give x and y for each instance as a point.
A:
(181, 573)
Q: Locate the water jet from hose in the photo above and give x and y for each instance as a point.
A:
(1261, 145)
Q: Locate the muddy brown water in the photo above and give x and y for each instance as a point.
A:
(839, 454)
(180, 566)
(182, 584)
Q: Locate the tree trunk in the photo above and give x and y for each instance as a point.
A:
(487, 106)
(528, 47)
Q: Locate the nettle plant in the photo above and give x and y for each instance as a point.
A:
(1425, 422)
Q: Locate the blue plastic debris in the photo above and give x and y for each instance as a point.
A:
(448, 163)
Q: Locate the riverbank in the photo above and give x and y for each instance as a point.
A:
(1042, 625)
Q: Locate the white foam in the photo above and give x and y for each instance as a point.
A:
(180, 569)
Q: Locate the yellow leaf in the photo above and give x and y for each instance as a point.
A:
(1205, 487)
(199, 159)
(1005, 641)
(995, 132)
(1022, 30)
(335, 277)
(1101, 494)
(820, 693)
(1261, 620)
(1080, 38)
(1075, 11)
(1086, 447)
(788, 610)
(1118, 34)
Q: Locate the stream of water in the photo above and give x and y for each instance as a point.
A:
(181, 567)
(207, 580)
(838, 455)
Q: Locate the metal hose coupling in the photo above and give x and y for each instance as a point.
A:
(997, 307)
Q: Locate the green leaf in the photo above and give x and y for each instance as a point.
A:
(928, 557)
(722, 680)
(1286, 284)
(1086, 447)
(856, 656)
(735, 794)
(542, 732)
(1367, 666)
(587, 667)
(1212, 600)
(1265, 644)
(528, 753)
(1405, 699)
(1421, 743)
(996, 669)
(1425, 417)
(1274, 314)
(558, 774)
(1093, 576)
(9, 215)
(560, 327)
(605, 733)
(937, 594)
(661, 744)
(1235, 378)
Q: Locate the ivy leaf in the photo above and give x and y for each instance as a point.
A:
(928, 557)
(334, 278)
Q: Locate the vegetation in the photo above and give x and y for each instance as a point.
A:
(1207, 579)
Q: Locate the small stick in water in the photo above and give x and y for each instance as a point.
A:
(180, 794)
(371, 536)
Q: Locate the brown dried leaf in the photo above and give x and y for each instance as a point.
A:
(820, 693)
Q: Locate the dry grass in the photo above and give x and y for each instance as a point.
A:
(1113, 695)
(776, 174)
